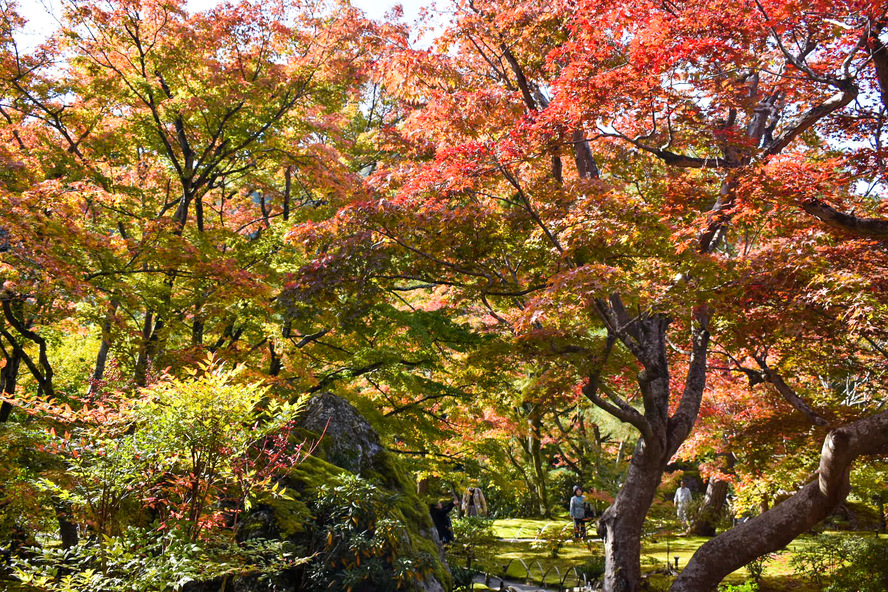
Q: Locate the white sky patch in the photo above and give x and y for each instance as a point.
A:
(43, 15)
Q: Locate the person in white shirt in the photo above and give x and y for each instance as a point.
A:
(681, 502)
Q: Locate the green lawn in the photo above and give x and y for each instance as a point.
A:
(538, 558)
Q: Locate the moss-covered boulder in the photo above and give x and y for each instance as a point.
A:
(316, 505)
(349, 442)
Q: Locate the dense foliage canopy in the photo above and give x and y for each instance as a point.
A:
(562, 242)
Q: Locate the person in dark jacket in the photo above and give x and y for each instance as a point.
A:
(441, 517)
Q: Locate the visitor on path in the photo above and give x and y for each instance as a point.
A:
(473, 503)
(441, 517)
(682, 502)
(578, 513)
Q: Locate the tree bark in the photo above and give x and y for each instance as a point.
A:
(621, 524)
(8, 380)
(586, 166)
(713, 504)
(141, 370)
(871, 228)
(67, 529)
(661, 434)
(531, 489)
(13, 312)
(536, 455)
(777, 527)
(104, 347)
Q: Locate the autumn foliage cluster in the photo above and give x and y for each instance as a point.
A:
(551, 242)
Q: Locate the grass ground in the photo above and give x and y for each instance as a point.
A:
(657, 549)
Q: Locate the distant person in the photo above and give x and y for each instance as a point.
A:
(473, 503)
(578, 513)
(682, 501)
(441, 517)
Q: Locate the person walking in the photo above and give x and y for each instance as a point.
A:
(578, 513)
(441, 517)
(473, 503)
(682, 501)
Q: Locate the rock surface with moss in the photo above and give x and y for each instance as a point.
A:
(349, 494)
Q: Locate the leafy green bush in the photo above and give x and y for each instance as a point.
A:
(160, 483)
(819, 559)
(474, 540)
(756, 567)
(462, 577)
(553, 537)
(359, 541)
(593, 569)
(747, 586)
(865, 568)
(143, 560)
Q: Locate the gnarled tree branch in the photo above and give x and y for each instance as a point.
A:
(863, 227)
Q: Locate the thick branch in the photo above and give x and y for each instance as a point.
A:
(44, 375)
(872, 228)
(586, 166)
(682, 421)
(777, 527)
(674, 159)
(880, 63)
(523, 85)
(789, 394)
(618, 322)
(616, 406)
(810, 117)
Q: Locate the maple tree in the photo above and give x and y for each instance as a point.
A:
(708, 145)
(665, 210)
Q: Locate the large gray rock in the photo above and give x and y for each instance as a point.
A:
(349, 441)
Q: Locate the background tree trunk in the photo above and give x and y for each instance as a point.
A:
(713, 505)
(536, 454)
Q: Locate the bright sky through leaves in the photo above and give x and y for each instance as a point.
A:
(42, 20)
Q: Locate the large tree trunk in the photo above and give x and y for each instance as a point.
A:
(8, 380)
(778, 526)
(661, 434)
(621, 524)
(535, 446)
(535, 500)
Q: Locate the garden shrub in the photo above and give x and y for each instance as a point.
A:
(474, 541)
(593, 569)
(747, 586)
(844, 563)
(817, 560)
(360, 541)
(553, 537)
(757, 566)
(865, 568)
